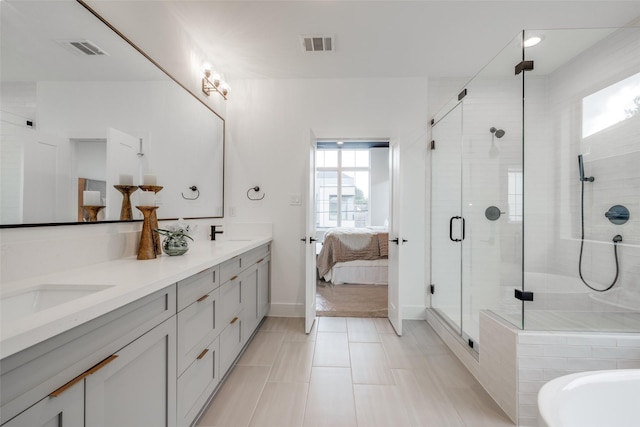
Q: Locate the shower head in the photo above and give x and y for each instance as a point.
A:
(499, 133)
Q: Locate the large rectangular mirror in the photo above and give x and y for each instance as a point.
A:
(82, 110)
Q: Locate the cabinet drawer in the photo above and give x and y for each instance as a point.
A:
(194, 287)
(230, 300)
(230, 268)
(254, 256)
(230, 343)
(198, 325)
(197, 383)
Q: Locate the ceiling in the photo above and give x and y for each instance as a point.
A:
(373, 39)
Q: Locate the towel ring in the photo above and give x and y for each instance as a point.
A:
(192, 188)
(256, 189)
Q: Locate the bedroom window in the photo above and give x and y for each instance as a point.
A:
(342, 188)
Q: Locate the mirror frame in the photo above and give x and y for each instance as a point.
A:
(145, 55)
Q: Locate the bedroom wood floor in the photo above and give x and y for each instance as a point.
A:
(351, 300)
(350, 372)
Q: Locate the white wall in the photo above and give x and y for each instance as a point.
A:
(268, 139)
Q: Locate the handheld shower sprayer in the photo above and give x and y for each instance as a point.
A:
(616, 239)
(581, 168)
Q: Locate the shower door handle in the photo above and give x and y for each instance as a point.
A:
(464, 226)
(451, 228)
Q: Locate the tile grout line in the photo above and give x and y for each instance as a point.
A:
(264, 386)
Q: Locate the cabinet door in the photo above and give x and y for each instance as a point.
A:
(231, 342)
(264, 283)
(249, 292)
(63, 410)
(138, 388)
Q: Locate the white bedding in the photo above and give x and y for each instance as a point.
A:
(367, 272)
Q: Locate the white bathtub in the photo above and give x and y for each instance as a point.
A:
(591, 399)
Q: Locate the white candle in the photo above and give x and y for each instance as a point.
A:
(147, 198)
(149, 179)
(126, 179)
(91, 198)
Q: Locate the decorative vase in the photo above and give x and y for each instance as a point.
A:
(175, 245)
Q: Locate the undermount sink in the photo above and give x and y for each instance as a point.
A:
(42, 297)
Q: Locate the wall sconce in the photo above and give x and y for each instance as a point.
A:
(212, 82)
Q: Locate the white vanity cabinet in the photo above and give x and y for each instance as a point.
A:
(239, 293)
(118, 369)
(156, 361)
(214, 324)
(199, 325)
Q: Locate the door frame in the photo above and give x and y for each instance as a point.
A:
(310, 286)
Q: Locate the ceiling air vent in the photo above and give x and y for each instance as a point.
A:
(317, 43)
(82, 47)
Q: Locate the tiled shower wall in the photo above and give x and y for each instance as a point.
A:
(553, 139)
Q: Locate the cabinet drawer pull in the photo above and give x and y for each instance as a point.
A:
(68, 385)
(82, 376)
(202, 298)
(102, 364)
(234, 320)
(201, 355)
(260, 260)
(234, 278)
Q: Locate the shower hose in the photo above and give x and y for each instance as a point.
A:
(616, 240)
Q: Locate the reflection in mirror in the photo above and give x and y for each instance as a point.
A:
(83, 110)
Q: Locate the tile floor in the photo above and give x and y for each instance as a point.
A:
(351, 372)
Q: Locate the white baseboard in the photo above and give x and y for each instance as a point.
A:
(286, 310)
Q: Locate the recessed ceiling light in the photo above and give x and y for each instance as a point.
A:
(532, 41)
(339, 142)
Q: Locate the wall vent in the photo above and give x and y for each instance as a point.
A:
(318, 43)
(82, 47)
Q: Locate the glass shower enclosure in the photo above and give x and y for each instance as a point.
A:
(517, 225)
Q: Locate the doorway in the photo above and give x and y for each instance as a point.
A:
(352, 196)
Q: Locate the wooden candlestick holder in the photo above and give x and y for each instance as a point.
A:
(125, 212)
(146, 249)
(154, 218)
(93, 211)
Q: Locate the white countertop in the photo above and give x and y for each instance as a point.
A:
(129, 279)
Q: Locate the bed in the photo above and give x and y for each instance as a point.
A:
(354, 256)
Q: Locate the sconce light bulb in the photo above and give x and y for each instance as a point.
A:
(225, 88)
(206, 69)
